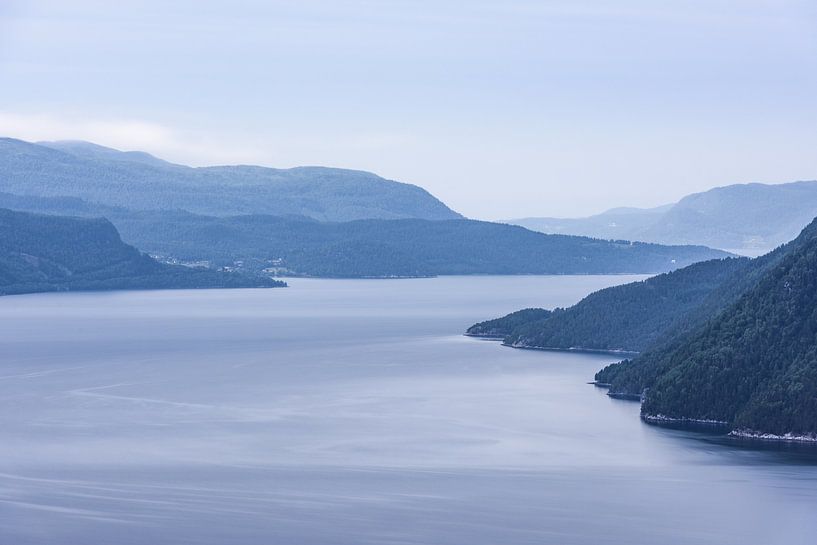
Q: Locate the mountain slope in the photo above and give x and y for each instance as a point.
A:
(753, 367)
(632, 377)
(300, 245)
(614, 224)
(53, 253)
(626, 318)
(395, 247)
(141, 182)
(753, 218)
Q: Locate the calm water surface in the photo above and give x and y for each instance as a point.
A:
(351, 412)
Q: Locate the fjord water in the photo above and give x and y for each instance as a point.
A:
(351, 412)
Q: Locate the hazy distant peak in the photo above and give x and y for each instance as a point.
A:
(139, 181)
(635, 210)
(89, 150)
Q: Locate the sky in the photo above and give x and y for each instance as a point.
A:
(501, 109)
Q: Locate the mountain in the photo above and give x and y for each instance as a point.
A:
(731, 343)
(626, 318)
(749, 218)
(89, 150)
(384, 248)
(297, 245)
(632, 377)
(615, 224)
(54, 253)
(138, 181)
(753, 367)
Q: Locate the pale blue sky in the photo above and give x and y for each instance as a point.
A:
(501, 109)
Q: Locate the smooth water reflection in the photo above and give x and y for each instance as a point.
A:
(349, 412)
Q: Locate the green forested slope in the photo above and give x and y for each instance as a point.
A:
(628, 317)
(753, 366)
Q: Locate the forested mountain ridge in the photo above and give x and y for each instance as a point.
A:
(53, 253)
(384, 248)
(370, 248)
(752, 366)
(139, 181)
(626, 318)
(631, 317)
(731, 341)
(641, 372)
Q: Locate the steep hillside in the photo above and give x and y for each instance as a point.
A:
(754, 367)
(626, 318)
(138, 181)
(748, 363)
(52, 253)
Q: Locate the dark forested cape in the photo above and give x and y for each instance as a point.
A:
(731, 341)
(625, 318)
(752, 366)
(53, 253)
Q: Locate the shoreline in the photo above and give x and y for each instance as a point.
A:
(612, 352)
(758, 436)
(660, 420)
(663, 419)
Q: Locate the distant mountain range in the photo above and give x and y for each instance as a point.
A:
(728, 342)
(626, 318)
(306, 221)
(50, 253)
(139, 181)
(295, 245)
(748, 218)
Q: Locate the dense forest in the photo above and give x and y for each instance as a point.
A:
(731, 341)
(53, 253)
(752, 366)
(621, 318)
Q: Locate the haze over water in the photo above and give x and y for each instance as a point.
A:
(351, 412)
